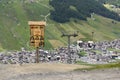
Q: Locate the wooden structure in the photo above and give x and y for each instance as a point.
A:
(37, 33)
(37, 29)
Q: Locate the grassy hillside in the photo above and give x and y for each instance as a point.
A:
(14, 29)
(78, 9)
(114, 2)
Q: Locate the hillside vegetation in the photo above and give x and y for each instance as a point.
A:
(14, 29)
(78, 9)
(114, 2)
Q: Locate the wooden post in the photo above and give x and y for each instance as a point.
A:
(37, 54)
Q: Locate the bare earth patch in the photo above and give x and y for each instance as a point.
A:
(54, 71)
(56, 43)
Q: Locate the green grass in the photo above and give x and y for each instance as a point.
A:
(97, 51)
(82, 53)
(115, 50)
(83, 63)
(100, 66)
(14, 29)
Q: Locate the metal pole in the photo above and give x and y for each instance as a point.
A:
(68, 43)
(69, 50)
(37, 55)
(92, 36)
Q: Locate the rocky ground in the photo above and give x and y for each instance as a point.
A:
(54, 71)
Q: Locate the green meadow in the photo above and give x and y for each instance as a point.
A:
(15, 31)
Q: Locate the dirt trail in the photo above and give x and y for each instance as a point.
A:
(54, 71)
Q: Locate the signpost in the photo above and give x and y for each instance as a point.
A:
(37, 35)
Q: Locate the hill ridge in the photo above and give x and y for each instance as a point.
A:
(14, 29)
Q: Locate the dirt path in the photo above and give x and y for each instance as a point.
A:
(54, 71)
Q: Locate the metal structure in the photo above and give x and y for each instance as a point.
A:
(93, 36)
(68, 36)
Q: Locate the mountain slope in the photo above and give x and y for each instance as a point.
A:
(64, 10)
(14, 29)
(114, 2)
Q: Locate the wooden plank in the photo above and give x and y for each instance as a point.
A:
(37, 23)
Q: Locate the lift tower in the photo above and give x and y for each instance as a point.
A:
(75, 34)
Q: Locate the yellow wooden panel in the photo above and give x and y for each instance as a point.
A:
(37, 33)
(37, 43)
(36, 23)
